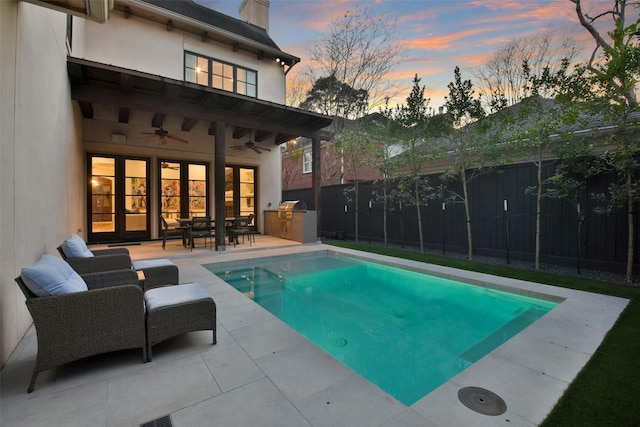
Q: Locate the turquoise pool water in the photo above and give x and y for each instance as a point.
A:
(406, 332)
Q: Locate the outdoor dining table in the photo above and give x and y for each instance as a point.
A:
(185, 224)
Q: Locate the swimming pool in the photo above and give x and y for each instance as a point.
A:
(404, 331)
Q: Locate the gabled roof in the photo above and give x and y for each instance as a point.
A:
(209, 24)
(196, 11)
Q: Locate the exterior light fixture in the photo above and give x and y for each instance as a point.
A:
(277, 59)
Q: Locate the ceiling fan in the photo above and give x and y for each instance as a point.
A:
(164, 135)
(252, 145)
(166, 165)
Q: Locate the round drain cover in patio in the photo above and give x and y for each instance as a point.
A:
(482, 401)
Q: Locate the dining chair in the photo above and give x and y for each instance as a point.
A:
(200, 227)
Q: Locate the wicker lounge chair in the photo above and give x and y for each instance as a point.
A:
(109, 316)
(158, 272)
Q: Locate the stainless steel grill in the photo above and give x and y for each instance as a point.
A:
(285, 214)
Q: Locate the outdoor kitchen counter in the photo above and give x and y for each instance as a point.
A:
(300, 227)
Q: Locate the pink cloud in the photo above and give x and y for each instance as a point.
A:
(445, 41)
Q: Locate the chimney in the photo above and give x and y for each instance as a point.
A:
(255, 12)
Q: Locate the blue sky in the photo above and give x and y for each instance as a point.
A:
(437, 34)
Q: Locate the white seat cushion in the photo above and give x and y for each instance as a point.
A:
(172, 295)
(52, 276)
(150, 263)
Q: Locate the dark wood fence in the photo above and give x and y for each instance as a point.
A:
(496, 232)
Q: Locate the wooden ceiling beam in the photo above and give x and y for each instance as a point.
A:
(123, 114)
(211, 112)
(86, 109)
(157, 120)
(188, 124)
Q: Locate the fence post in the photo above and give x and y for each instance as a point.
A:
(444, 219)
(369, 221)
(506, 228)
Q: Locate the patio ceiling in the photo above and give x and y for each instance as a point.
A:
(128, 90)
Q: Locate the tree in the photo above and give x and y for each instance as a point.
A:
(356, 147)
(472, 145)
(332, 97)
(383, 130)
(359, 49)
(501, 81)
(292, 156)
(542, 123)
(569, 179)
(297, 88)
(614, 68)
(416, 138)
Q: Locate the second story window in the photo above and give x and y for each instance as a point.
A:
(306, 162)
(220, 75)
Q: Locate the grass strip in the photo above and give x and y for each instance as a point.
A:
(606, 391)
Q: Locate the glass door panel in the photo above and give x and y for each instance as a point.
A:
(247, 192)
(197, 190)
(229, 210)
(103, 178)
(136, 196)
(240, 191)
(170, 189)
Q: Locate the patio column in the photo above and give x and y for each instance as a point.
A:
(219, 187)
(316, 180)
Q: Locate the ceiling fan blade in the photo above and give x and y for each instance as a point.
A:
(256, 150)
(177, 139)
(262, 147)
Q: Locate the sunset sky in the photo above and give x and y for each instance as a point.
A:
(437, 34)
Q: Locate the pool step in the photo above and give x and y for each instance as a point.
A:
(511, 328)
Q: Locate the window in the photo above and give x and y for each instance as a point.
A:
(247, 82)
(196, 69)
(306, 162)
(220, 75)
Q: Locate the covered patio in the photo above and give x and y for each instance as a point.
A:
(159, 121)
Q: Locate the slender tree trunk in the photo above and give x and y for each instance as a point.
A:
(468, 214)
(630, 216)
(417, 196)
(384, 213)
(538, 208)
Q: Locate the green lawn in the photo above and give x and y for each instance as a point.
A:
(607, 391)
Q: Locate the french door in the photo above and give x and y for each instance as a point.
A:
(183, 189)
(240, 191)
(118, 198)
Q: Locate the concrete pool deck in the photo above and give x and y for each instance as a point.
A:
(263, 373)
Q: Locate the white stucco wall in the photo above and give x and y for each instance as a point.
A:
(146, 46)
(42, 158)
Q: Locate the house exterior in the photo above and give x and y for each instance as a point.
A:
(297, 166)
(114, 112)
